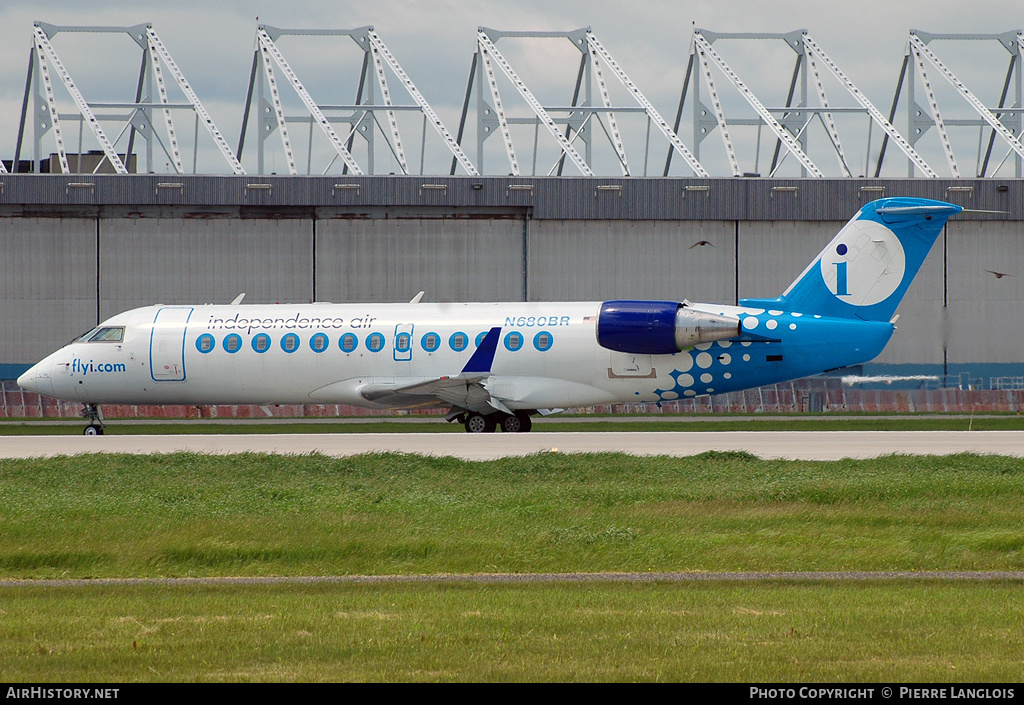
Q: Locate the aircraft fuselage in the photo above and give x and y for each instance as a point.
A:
(548, 355)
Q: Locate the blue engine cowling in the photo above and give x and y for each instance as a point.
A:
(647, 327)
(659, 327)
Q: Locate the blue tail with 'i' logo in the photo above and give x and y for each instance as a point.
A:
(869, 265)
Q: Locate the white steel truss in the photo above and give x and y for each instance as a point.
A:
(716, 104)
(362, 115)
(51, 103)
(1005, 119)
(702, 46)
(434, 120)
(45, 51)
(570, 126)
(269, 47)
(506, 134)
(648, 107)
(606, 101)
(138, 121)
(275, 93)
(830, 123)
(487, 48)
(933, 106)
(382, 81)
(578, 128)
(158, 74)
(922, 51)
(183, 84)
(790, 123)
(813, 49)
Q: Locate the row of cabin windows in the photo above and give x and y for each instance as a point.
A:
(374, 342)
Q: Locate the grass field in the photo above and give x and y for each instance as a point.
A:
(257, 515)
(885, 632)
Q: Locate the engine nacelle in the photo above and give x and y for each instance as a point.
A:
(659, 327)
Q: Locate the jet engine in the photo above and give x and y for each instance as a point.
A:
(659, 327)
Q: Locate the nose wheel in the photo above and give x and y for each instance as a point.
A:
(95, 417)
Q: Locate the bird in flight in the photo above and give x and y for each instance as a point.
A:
(998, 275)
(702, 243)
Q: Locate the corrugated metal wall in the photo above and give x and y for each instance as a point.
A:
(647, 259)
(188, 260)
(771, 255)
(985, 314)
(48, 283)
(392, 259)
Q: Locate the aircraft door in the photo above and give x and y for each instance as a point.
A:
(403, 342)
(630, 365)
(167, 344)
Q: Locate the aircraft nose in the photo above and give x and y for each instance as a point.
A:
(28, 380)
(37, 379)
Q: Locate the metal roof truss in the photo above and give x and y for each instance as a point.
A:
(789, 123)
(1004, 121)
(138, 121)
(373, 99)
(572, 127)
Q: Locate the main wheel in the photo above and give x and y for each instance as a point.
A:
(478, 423)
(518, 423)
(93, 430)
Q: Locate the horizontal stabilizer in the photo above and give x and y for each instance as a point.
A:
(935, 208)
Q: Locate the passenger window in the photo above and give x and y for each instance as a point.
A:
(348, 342)
(110, 334)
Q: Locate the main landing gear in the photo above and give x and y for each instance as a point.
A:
(519, 422)
(95, 417)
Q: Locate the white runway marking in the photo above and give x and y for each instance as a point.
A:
(793, 445)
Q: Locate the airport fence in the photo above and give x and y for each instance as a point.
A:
(812, 395)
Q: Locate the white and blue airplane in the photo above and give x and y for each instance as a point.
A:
(497, 364)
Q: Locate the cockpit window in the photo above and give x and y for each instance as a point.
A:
(107, 334)
(83, 337)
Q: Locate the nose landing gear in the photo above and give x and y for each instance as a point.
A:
(95, 416)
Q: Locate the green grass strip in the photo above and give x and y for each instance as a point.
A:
(769, 632)
(255, 515)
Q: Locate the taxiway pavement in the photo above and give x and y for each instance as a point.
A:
(793, 445)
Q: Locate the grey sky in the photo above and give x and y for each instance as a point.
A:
(213, 42)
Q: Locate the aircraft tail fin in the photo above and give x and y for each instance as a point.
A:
(869, 265)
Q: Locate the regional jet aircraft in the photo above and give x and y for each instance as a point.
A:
(498, 364)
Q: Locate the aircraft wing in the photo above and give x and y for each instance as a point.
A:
(466, 390)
